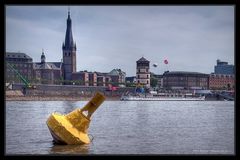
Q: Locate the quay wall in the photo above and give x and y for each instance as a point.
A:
(70, 90)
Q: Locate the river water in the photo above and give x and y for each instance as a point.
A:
(121, 127)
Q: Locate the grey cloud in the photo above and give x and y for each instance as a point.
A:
(107, 37)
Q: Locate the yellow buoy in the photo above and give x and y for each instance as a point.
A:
(73, 127)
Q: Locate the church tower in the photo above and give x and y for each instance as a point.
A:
(69, 52)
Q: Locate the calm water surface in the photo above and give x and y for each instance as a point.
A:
(118, 127)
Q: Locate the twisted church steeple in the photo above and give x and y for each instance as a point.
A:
(69, 51)
(68, 44)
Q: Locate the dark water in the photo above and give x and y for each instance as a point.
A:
(167, 127)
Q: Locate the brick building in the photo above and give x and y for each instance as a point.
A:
(221, 81)
(47, 72)
(81, 78)
(185, 80)
(22, 63)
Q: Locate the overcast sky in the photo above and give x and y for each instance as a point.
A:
(191, 38)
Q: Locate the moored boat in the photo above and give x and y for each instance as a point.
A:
(161, 98)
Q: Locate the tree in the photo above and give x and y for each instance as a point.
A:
(153, 81)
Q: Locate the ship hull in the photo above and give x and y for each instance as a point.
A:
(160, 99)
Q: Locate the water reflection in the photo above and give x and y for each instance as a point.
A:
(126, 128)
(70, 149)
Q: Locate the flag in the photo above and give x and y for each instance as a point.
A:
(166, 61)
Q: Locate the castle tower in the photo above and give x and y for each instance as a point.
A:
(69, 52)
(143, 73)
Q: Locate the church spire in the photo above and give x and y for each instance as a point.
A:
(68, 12)
(69, 38)
(69, 51)
(43, 58)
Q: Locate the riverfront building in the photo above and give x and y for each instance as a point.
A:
(223, 68)
(102, 79)
(185, 80)
(47, 72)
(22, 63)
(143, 72)
(117, 76)
(85, 78)
(81, 78)
(221, 81)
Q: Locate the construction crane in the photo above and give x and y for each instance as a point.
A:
(25, 81)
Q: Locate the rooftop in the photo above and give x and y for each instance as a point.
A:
(182, 72)
(17, 55)
(48, 65)
(142, 60)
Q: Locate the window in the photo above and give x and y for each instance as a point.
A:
(147, 76)
(147, 82)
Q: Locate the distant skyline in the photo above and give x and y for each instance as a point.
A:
(191, 38)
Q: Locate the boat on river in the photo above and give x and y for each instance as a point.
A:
(158, 97)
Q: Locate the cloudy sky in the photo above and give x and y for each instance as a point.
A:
(191, 38)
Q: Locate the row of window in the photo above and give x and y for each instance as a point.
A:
(221, 76)
(16, 56)
(221, 80)
(19, 70)
(18, 60)
(219, 83)
(216, 80)
(143, 64)
(22, 65)
(67, 53)
(143, 70)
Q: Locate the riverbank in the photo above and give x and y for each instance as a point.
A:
(54, 98)
(17, 95)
